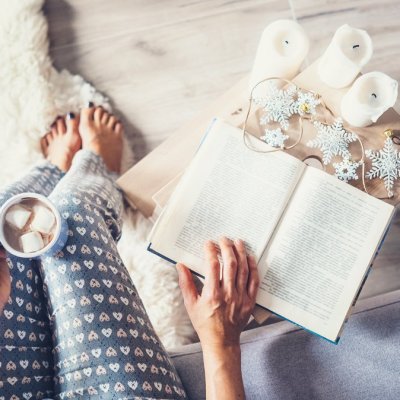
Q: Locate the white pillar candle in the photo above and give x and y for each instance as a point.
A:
(349, 50)
(282, 49)
(369, 97)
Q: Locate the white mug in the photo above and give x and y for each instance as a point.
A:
(60, 235)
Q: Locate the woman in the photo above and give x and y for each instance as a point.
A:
(73, 325)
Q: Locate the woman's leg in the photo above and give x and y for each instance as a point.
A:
(106, 347)
(26, 360)
(58, 146)
(41, 179)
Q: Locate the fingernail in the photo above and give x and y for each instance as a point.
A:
(71, 115)
(239, 242)
(90, 104)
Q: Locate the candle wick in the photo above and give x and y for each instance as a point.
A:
(374, 95)
(286, 42)
(356, 46)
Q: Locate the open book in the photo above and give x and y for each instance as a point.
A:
(313, 236)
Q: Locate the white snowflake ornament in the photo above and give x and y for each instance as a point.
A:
(346, 170)
(275, 138)
(332, 140)
(385, 165)
(279, 104)
(307, 103)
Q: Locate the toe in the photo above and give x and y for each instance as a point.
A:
(48, 136)
(72, 122)
(60, 126)
(105, 117)
(44, 145)
(87, 113)
(98, 114)
(118, 129)
(112, 121)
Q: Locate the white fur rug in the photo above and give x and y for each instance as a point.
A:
(32, 94)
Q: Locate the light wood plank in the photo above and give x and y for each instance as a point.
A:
(159, 75)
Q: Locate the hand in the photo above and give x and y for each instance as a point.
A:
(5, 283)
(220, 313)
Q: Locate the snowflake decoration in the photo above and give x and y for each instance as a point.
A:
(346, 170)
(307, 103)
(332, 140)
(275, 137)
(385, 165)
(279, 105)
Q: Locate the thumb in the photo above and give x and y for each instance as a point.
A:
(188, 288)
(5, 282)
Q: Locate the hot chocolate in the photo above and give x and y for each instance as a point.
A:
(29, 225)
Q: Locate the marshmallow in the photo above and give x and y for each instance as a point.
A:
(43, 219)
(18, 216)
(31, 242)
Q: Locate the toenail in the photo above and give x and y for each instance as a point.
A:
(71, 115)
(90, 104)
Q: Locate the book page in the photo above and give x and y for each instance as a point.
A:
(230, 191)
(323, 247)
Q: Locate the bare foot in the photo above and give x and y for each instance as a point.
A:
(63, 141)
(102, 133)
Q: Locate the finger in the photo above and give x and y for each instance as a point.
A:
(212, 281)
(254, 280)
(188, 288)
(229, 265)
(5, 281)
(243, 268)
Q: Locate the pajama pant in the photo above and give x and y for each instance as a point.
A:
(74, 325)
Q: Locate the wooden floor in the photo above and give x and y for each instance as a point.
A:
(161, 61)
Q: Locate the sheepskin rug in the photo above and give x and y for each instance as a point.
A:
(32, 94)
